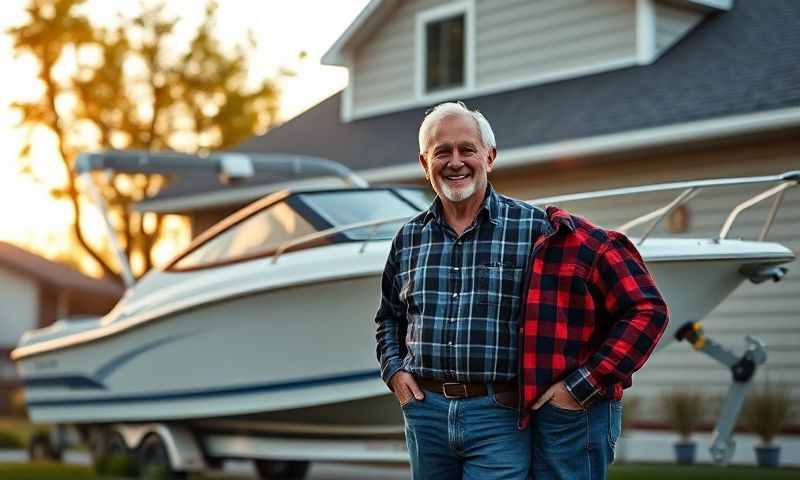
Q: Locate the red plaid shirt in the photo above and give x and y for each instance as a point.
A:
(593, 314)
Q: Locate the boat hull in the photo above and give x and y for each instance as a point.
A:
(299, 357)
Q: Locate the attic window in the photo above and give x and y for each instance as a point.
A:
(444, 53)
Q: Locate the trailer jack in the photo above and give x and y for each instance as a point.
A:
(742, 370)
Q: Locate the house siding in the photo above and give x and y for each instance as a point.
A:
(672, 23)
(769, 311)
(20, 310)
(517, 42)
(383, 70)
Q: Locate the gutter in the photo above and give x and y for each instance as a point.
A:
(622, 142)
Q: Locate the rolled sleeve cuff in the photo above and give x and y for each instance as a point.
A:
(582, 387)
(388, 371)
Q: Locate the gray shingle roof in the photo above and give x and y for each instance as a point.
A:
(743, 61)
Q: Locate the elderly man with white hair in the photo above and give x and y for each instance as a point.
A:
(496, 315)
(448, 322)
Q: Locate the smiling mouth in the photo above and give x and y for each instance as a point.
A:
(456, 178)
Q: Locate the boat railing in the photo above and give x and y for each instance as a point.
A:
(689, 190)
(373, 225)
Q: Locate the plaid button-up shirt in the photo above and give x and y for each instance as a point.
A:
(450, 304)
(592, 314)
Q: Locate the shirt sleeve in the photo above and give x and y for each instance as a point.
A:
(638, 316)
(391, 323)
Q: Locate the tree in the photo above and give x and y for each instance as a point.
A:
(127, 88)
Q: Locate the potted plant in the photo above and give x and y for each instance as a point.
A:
(765, 412)
(684, 410)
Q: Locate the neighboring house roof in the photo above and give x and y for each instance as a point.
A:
(735, 72)
(55, 274)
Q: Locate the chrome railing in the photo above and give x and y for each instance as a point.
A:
(689, 190)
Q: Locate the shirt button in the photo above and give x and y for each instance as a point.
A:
(455, 295)
(450, 344)
(457, 269)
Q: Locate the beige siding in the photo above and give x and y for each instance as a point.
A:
(20, 306)
(672, 23)
(522, 39)
(383, 72)
(517, 42)
(770, 311)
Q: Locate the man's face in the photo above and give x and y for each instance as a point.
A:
(456, 160)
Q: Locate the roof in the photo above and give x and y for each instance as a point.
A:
(734, 64)
(55, 274)
(741, 61)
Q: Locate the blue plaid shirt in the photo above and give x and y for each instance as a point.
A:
(450, 304)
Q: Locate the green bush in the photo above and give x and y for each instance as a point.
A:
(11, 440)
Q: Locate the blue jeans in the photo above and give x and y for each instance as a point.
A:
(472, 438)
(575, 444)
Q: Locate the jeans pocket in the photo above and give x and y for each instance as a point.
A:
(564, 411)
(614, 422)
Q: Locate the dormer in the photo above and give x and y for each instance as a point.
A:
(402, 54)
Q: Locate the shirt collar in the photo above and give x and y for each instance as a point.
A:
(490, 207)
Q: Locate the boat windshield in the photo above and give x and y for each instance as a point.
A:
(356, 206)
(257, 235)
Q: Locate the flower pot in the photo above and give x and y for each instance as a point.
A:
(768, 455)
(685, 452)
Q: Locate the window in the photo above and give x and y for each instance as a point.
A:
(349, 207)
(444, 59)
(444, 43)
(256, 235)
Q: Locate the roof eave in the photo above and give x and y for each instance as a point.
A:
(336, 56)
(631, 140)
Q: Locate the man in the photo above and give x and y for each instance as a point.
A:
(448, 323)
(450, 317)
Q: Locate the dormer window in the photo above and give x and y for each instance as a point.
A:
(444, 50)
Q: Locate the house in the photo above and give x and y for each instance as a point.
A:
(587, 95)
(34, 293)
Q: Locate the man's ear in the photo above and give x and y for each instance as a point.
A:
(490, 159)
(424, 164)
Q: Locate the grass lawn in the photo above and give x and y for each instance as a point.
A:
(43, 471)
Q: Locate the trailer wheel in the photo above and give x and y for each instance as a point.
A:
(281, 469)
(112, 455)
(41, 449)
(153, 460)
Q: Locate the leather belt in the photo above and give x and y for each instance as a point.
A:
(464, 390)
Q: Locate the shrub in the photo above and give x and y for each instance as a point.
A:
(11, 440)
(766, 410)
(684, 410)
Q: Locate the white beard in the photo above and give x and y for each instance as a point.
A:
(457, 195)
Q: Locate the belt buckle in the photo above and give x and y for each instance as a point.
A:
(464, 394)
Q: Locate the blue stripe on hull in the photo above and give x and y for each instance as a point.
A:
(194, 394)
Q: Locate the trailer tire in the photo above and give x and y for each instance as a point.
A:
(281, 469)
(41, 449)
(112, 455)
(153, 460)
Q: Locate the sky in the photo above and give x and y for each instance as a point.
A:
(283, 28)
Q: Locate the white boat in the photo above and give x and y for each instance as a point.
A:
(264, 323)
